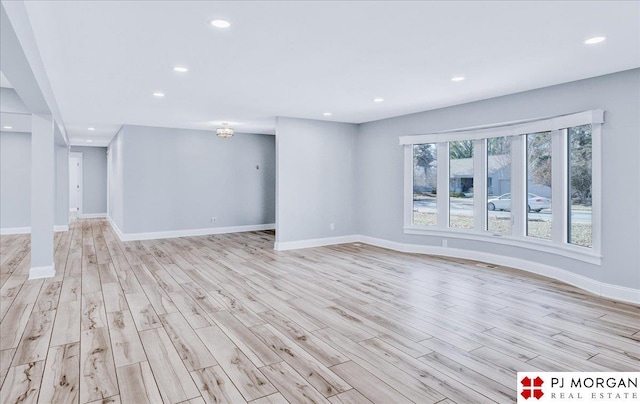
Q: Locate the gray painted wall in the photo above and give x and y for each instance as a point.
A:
(316, 170)
(15, 179)
(177, 179)
(116, 179)
(380, 168)
(62, 185)
(94, 179)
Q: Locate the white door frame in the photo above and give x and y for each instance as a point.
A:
(78, 155)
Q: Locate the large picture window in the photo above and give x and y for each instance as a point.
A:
(461, 184)
(580, 186)
(531, 183)
(539, 182)
(425, 184)
(499, 185)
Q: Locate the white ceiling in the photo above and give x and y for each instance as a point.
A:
(105, 58)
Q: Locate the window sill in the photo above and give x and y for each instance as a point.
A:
(566, 250)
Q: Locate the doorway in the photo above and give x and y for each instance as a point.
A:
(75, 184)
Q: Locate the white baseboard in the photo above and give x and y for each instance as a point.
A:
(591, 285)
(317, 242)
(378, 242)
(620, 293)
(115, 228)
(42, 272)
(189, 232)
(27, 230)
(14, 230)
(91, 215)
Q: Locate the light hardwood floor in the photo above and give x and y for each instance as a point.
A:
(227, 319)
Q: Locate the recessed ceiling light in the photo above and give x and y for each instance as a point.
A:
(91, 128)
(327, 114)
(89, 141)
(7, 127)
(158, 94)
(180, 69)
(220, 23)
(457, 78)
(595, 40)
(378, 99)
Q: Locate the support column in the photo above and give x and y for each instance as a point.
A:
(42, 196)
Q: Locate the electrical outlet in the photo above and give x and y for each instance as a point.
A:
(444, 242)
(213, 220)
(332, 226)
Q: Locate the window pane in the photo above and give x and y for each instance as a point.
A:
(580, 180)
(425, 174)
(539, 185)
(461, 184)
(499, 185)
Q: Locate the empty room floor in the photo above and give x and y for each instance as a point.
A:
(226, 318)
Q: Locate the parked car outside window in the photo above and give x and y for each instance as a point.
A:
(535, 203)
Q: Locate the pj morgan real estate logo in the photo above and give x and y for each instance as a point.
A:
(578, 387)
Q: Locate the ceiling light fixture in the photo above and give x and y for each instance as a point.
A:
(91, 128)
(378, 99)
(158, 94)
(225, 131)
(7, 127)
(180, 69)
(595, 40)
(327, 114)
(89, 141)
(220, 23)
(457, 78)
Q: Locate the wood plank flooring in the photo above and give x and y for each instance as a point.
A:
(226, 319)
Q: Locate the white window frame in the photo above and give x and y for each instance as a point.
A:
(558, 126)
